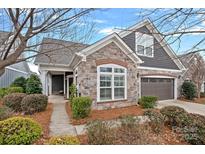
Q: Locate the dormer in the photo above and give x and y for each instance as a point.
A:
(144, 44)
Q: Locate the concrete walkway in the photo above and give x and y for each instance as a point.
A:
(189, 107)
(60, 122)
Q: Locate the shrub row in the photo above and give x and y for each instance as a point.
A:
(29, 104)
(191, 126)
(19, 130)
(10, 90)
(5, 112)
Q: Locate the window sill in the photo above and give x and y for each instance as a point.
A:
(111, 101)
(145, 55)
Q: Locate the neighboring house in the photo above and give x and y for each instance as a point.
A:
(13, 71)
(115, 71)
(190, 63)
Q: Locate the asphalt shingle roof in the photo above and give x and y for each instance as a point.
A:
(54, 51)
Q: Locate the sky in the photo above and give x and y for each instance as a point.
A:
(107, 21)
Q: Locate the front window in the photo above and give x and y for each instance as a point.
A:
(111, 82)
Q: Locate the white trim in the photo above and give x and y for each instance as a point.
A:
(175, 88)
(107, 40)
(159, 38)
(157, 76)
(68, 86)
(14, 69)
(112, 81)
(159, 69)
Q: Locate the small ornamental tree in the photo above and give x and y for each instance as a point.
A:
(33, 85)
(73, 92)
(19, 82)
(188, 90)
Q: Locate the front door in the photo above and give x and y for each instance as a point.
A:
(69, 83)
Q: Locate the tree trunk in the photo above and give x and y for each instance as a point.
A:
(2, 72)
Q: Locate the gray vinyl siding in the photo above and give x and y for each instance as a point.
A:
(160, 60)
(9, 76)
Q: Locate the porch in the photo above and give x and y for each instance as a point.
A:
(57, 82)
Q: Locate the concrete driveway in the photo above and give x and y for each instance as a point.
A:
(189, 107)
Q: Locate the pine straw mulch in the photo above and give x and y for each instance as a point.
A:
(43, 118)
(108, 114)
(168, 137)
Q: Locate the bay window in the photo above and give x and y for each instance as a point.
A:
(112, 81)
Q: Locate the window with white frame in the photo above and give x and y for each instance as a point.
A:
(112, 82)
(144, 44)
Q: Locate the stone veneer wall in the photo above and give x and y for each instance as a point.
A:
(87, 76)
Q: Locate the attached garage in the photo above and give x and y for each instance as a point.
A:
(163, 88)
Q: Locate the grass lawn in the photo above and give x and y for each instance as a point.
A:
(106, 114)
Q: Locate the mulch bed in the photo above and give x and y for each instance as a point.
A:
(105, 114)
(43, 118)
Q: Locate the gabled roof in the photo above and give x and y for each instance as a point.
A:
(59, 52)
(107, 40)
(150, 26)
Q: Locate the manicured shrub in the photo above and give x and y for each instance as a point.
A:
(33, 85)
(175, 116)
(12, 90)
(188, 90)
(73, 92)
(81, 107)
(19, 82)
(100, 133)
(148, 101)
(34, 103)
(128, 121)
(5, 112)
(194, 132)
(156, 120)
(18, 130)
(63, 140)
(3, 92)
(13, 101)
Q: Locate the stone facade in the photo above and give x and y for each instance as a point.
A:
(87, 76)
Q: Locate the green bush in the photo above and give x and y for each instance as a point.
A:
(13, 101)
(19, 82)
(3, 92)
(33, 85)
(156, 120)
(148, 101)
(11, 90)
(63, 140)
(81, 107)
(188, 90)
(194, 132)
(18, 130)
(175, 116)
(128, 121)
(5, 112)
(100, 133)
(73, 92)
(34, 103)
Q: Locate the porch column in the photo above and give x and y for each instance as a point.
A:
(43, 77)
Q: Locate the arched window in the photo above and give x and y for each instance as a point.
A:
(111, 82)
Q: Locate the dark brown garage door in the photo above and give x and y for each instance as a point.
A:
(163, 88)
